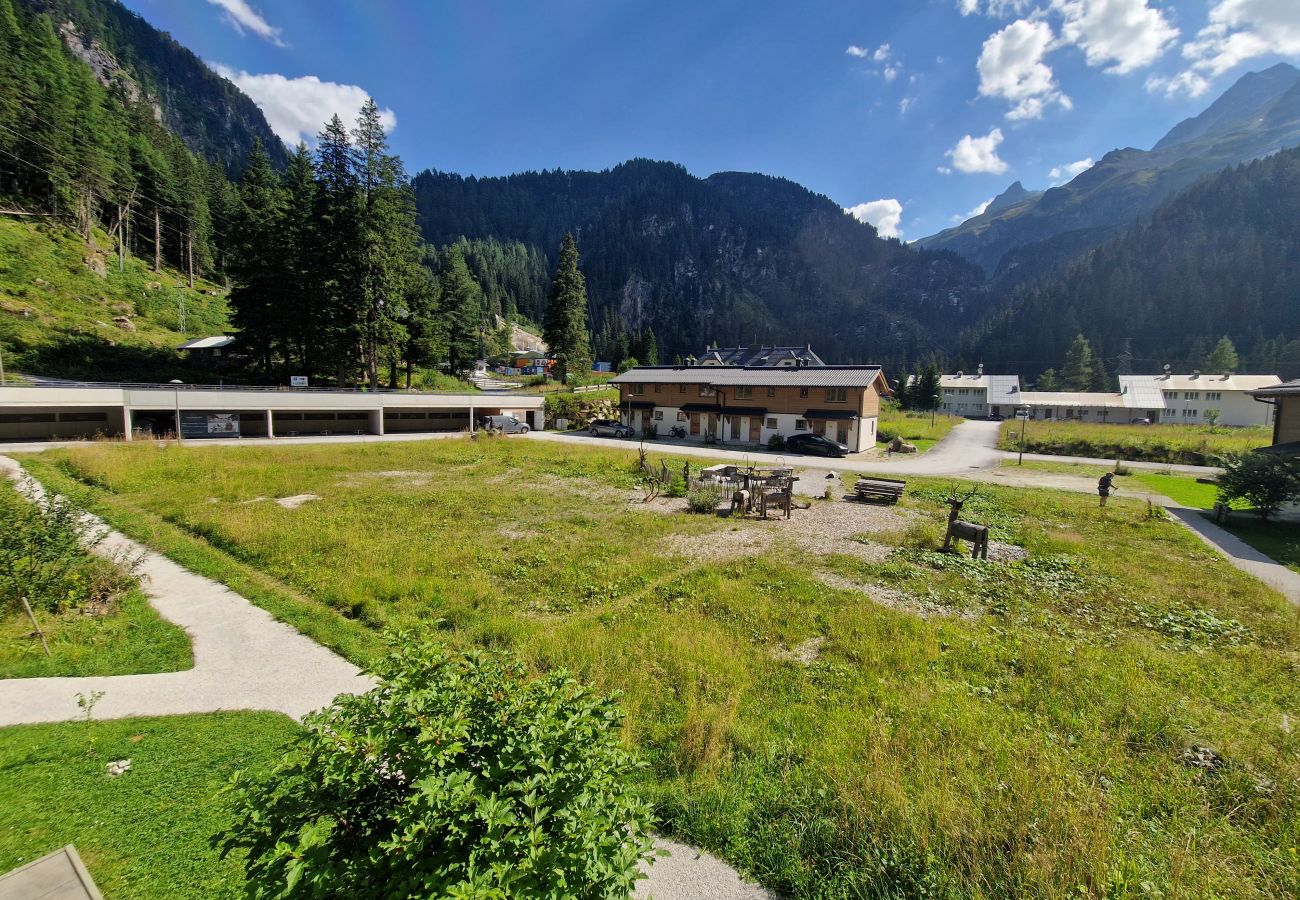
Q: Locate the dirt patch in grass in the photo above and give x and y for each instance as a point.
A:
(410, 477)
(804, 653)
(894, 599)
(296, 500)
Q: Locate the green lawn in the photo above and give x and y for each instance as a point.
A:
(144, 834)
(1189, 444)
(131, 638)
(1279, 541)
(975, 730)
(914, 427)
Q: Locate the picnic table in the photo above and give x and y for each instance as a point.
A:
(887, 490)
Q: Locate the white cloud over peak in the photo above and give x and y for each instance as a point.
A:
(1061, 174)
(958, 218)
(1011, 67)
(244, 18)
(859, 52)
(1122, 35)
(885, 215)
(1188, 83)
(978, 155)
(1243, 29)
(297, 108)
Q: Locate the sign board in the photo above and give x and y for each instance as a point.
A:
(210, 425)
(297, 381)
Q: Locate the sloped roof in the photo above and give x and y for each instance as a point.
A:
(1279, 390)
(755, 376)
(761, 356)
(207, 343)
(1073, 398)
(1204, 382)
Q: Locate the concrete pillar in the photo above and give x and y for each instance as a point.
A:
(270, 420)
(128, 426)
(377, 421)
(471, 420)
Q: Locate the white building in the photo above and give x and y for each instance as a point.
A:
(1083, 406)
(979, 396)
(1197, 398)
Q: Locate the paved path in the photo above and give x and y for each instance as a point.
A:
(243, 658)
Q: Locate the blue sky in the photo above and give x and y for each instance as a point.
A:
(911, 112)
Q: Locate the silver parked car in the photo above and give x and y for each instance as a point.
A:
(610, 428)
(503, 424)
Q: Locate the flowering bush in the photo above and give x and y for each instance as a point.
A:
(458, 776)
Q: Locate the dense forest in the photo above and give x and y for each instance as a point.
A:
(733, 258)
(215, 119)
(1223, 258)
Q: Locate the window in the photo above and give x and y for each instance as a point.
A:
(706, 390)
(836, 395)
(744, 393)
(1213, 395)
(803, 392)
(771, 421)
(771, 392)
(681, 416)
(1191, 395)
(1191, 413)
(657, 387)
(659, 415)
(800, 425)
(636, 390)
(1171, 396)
(681, 388)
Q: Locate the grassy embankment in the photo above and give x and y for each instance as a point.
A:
(116, 633)
(1184, 444)
(914, 427)
(145, 834)
(978, 730)
(57, 311)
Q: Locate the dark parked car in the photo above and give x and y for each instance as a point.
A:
(815, 445)
(611, 427)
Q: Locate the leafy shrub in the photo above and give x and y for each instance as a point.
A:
(652, 430)
(704, 498)
(457, 776)
(1263, 480)
(776, 442)
(924, 535)
(43, 556)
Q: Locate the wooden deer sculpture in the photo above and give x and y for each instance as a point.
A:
(978, 535)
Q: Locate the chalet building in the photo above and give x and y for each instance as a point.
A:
(761, 355)
(1189, 399)
(979, 396)
(750, 404)
(1284, 401)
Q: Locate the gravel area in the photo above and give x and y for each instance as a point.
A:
(894, 599)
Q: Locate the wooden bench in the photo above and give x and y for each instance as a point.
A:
(884, 489)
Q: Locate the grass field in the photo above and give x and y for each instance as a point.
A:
(1187, 444)
(840, 714)
(914, 427)
(143, 835)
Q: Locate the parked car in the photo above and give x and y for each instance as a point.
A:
(503, 424)
(815, 445)
(611, 428)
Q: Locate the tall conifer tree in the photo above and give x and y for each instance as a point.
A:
(565, 327)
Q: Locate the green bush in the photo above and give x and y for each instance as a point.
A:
(776, 442)
(1263, 480)
(43, 556)
(457, 776)
(704, 498)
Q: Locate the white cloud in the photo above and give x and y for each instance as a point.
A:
(890, 72)
(885, 215)
(1061, 174)
(998, 9)
(1243, 29)
(968, 7)
(881, 54)
(1189, 83)
(859, 52)
(974, 155)
(297, 108)
(243, 18)
(977, 211)
(1011, 67)
(905, 104)
(1122, 35)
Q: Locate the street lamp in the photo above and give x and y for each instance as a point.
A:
(934, 406)
(1022, 413)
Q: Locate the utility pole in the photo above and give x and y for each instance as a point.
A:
(180, 309)
(1023, 415)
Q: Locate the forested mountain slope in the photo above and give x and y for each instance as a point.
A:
(1223, 258)
(1258, 115)
(214, 118)
(733, 257)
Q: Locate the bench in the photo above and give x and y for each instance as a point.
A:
(884, 489)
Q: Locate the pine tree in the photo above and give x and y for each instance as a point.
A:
(1223, 358)
(338, 249)
(461, 311)
(1101, 380)
(258, 298)
(1078, 373)
(925, 393)
(650, 348)
(565, 327)
(1047, 381)
(308, 328)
